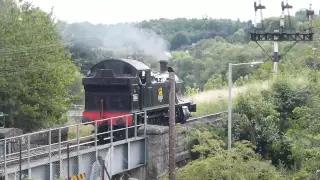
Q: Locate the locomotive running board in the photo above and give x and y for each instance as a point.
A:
(166, 106)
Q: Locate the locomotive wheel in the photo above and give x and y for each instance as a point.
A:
(180, 116)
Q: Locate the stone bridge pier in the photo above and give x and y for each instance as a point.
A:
(158, 148)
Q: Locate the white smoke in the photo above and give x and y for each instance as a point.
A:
(123, 39)
(128, 39)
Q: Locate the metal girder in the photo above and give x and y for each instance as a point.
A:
(275, 36)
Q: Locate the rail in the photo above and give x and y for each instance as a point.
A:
(206, 116)
(26, 148)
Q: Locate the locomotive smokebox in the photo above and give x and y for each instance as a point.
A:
(163, 66)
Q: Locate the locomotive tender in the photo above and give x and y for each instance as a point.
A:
(119, 87)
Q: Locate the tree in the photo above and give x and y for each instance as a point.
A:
(215, 82)
(36, 69)
(257, 122)
(179, 39)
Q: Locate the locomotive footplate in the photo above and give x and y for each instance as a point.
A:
(192, 107)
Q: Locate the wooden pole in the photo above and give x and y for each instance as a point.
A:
(172, 132)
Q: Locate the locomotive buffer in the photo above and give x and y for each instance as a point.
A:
(281, 34)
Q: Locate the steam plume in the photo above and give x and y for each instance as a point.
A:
(120, 39)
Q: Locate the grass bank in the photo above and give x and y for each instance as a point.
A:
(213, 101)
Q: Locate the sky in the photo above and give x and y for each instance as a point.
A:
(118, 11)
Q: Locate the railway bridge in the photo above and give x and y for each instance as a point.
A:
(73, 152)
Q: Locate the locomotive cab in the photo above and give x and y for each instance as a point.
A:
(112, 90)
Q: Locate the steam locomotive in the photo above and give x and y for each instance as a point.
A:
(119, 87)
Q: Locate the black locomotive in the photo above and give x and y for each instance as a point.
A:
(118, 87)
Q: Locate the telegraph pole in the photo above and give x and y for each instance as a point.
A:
(172, 130)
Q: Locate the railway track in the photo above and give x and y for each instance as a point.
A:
(209, 116)
(40, 151)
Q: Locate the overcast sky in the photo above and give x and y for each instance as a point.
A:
(116, 11)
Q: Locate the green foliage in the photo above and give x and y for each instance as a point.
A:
(242, 81)
(179, 39)
(36, 70)
(216, 81)
(283, 123)
(264, 72)
(258, 121)
(194, 29)
(208, 143)
(217, 163)
(77, 90)
(191, 91)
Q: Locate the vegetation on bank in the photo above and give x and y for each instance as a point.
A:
(275, 132)
(275, 129)
(275, 135)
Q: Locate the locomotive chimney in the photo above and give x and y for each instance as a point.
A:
(163, 66)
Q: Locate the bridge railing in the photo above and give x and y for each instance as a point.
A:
(26, 149)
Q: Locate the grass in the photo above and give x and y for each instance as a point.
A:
(213, 101)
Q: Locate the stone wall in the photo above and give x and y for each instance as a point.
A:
(158, 146)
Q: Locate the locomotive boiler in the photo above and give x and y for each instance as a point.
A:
(119, 87)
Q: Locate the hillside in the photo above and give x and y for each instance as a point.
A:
(196, 45)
